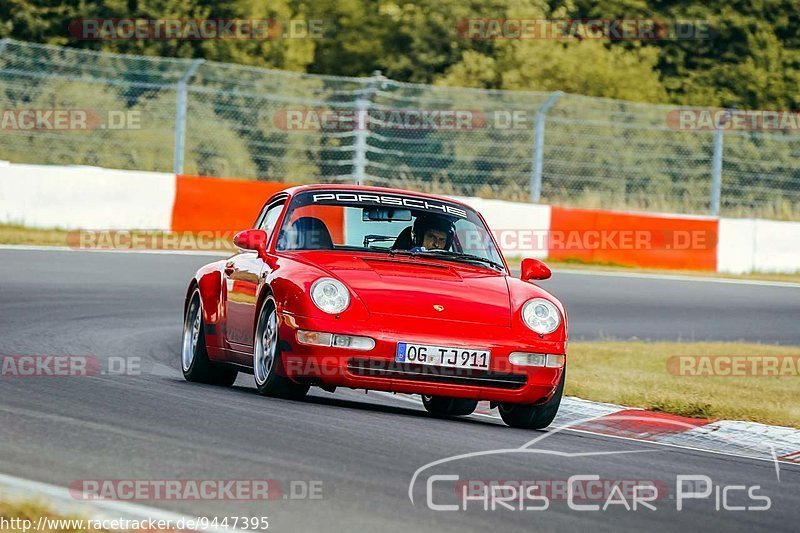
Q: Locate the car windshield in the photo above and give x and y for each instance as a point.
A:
(390, 223)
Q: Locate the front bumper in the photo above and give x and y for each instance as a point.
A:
(376, 369)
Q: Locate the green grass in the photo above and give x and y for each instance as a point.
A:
(635, 374)
(21, 235)
(14, 234)
(32, 510)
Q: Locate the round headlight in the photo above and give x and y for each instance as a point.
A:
(541, 316)
(330, 295)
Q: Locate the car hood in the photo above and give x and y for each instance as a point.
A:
(424, 288)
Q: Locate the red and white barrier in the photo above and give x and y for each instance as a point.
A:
(649, 240)
(73, 197)
(755, 245)
(520, 229)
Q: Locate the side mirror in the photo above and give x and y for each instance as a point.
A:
(251, 239)
(533, 269)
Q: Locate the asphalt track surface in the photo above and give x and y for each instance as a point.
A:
(363, 450)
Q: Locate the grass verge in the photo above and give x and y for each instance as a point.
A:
(13, 234)
(118, 240)
(28, 512)
(635, 374)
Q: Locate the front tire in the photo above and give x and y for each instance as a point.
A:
(533, 416)
(196, 365)
(441, 406)
(267, 358)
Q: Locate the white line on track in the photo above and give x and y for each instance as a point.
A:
(63, 502)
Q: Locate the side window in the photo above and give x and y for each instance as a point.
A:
(270, 217)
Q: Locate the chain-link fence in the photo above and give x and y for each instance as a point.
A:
(215, 119)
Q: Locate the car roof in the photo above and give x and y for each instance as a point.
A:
(366, 188)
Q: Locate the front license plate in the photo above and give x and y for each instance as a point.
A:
(428, 354)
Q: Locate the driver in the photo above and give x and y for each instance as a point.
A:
(431, 232)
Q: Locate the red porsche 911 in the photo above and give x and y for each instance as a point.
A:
(380, 289)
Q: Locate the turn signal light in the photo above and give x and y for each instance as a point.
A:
(549, 360)
(334, 340)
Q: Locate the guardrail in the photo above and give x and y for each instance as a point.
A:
(89, 198)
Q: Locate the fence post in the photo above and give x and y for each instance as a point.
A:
(716, 167)
(538, 145)
(180, 116)
(363, 104)
(3, 43)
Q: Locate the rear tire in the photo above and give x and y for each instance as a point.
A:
(533, 416)
(196, 365)
(441, 406)
(267, 358)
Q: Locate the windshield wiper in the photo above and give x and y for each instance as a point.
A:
(400, 251)
(450, 255)
(465, 257)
